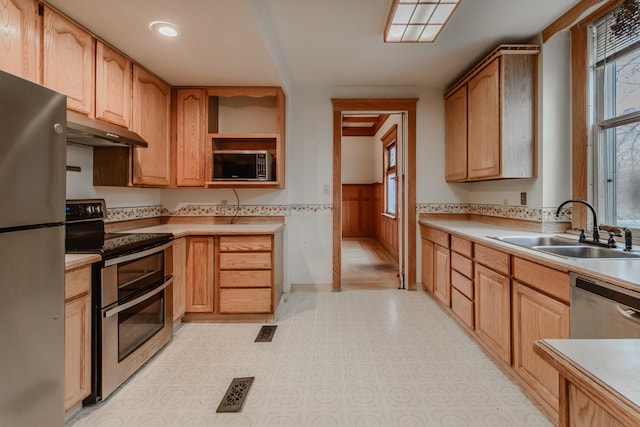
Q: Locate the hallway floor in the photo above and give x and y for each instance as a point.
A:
(366, 265)
(352, 358)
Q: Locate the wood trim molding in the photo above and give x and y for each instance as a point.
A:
(409, 106)
(569, 18)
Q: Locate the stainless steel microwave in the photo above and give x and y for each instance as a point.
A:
(243, 165)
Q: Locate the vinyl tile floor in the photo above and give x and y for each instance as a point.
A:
(382, 357)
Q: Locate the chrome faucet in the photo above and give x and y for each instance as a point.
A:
(596, 233)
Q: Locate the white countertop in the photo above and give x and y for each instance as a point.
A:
(625, 273)
(614, 362)
(181, 230)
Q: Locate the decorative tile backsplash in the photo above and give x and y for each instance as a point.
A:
(511, 212)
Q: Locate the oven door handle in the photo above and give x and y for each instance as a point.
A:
(136, 255)
(115, 310)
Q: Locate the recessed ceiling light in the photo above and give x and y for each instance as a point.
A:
(167, 29)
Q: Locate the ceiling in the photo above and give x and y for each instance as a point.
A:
(305, 43)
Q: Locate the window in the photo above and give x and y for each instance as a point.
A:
(616, 91)
(391, 180)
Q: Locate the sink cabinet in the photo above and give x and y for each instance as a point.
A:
(540, 310)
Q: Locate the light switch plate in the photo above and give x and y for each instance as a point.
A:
(523, 198)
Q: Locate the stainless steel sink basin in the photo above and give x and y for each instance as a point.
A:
(591, 252)
(531, 241)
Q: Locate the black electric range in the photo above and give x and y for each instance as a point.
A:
(84, 231)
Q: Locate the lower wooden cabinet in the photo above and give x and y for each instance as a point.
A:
(179, 277)
(537, 316)
(199, 274)
(441, 281)
(77, 336)
(493, 311)
(427, 265)
(245, 274)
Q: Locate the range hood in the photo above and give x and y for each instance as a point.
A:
(85, 131)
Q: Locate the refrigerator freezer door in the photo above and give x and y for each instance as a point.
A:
(32, 333)
(32, 153)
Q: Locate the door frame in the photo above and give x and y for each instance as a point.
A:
(408, 105)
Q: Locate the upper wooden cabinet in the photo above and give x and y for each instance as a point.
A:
(69, 61)
(152, 121)
(20, 35)
(455, 134)
(191, 157)
(113, 86)
(490, 117)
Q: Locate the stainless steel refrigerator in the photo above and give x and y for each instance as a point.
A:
(32, 204)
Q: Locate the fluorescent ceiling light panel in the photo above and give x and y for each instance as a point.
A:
(417, 21)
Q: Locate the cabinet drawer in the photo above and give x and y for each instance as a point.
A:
(245, 279)
(245, 300)
(245, 243)
(462, 265)
(545, 279)
(496, 260)
(462, 307)
(77, 282)
(245, 261)
(462, 246)
(462, 284)
(437, 236)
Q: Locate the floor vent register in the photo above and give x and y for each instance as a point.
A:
(236, 394)
(266, 333)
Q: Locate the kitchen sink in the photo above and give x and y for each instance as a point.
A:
(531, 241)
(584, 251)
(568, 248)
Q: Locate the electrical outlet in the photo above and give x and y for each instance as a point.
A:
(223, 203)
(523, 198)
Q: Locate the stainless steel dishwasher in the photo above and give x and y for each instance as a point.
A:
(603, 310)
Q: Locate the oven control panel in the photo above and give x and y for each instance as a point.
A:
(83, 210)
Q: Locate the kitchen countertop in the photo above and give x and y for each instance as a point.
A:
(607, 367)
(625, 273)
(182, 230)
(72, 261)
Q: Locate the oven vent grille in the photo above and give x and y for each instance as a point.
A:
(233, 399)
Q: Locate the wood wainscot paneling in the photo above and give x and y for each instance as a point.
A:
(358, 210)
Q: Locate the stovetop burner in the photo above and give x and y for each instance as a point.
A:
(85, 232)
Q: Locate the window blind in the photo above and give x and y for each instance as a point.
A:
(617, 32)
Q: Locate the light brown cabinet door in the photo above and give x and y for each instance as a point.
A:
(428, 249)
(77, 350)
(69, 61)
(537, 316)
(190, 138)
(20, 39)
(199, 274)
(179, 277)
(442, 281)
(113, 86)
(455, 131)
(484, 122)
(151, 120)
(493, 311)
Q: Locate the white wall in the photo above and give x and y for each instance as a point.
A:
(555, 170)
(359, 160)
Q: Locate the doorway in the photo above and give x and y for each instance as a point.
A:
(372, 197)
(407, 231)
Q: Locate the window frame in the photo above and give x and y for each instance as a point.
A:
(389, 140)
